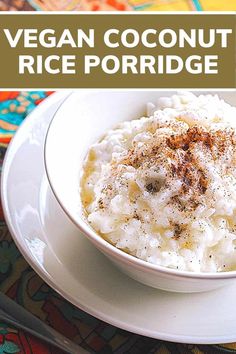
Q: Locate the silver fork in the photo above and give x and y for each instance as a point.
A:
(14, 314)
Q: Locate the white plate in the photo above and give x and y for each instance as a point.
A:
(72, 266)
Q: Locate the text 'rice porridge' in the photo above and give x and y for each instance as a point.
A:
(163, 187)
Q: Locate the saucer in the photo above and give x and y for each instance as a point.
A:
(71, 265)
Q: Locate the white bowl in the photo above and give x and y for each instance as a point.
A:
(80, 121)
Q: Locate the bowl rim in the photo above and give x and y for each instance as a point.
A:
(98, 240)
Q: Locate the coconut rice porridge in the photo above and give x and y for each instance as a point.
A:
(163, 187)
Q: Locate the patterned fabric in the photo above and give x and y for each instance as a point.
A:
(120, 5)
(21, 283)
(13, 5)
(14, 106)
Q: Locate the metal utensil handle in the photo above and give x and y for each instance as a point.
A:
(16, 315)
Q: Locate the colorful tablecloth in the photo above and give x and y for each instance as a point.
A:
(21, 283)
(149, 5)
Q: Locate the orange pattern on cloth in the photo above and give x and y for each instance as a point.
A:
(126, 5)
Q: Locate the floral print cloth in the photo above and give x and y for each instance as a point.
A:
(119, 5)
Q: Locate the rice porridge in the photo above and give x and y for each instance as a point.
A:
(163, 187)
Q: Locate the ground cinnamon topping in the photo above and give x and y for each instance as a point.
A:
(178, 229)
(179, 154)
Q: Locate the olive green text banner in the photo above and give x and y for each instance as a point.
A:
(119, 50)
